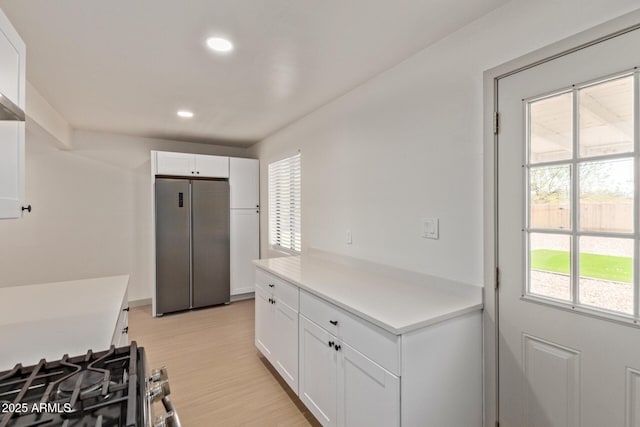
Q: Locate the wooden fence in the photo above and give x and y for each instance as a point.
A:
(594, 216)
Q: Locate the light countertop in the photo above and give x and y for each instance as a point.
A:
(396, 300)
(52, 319)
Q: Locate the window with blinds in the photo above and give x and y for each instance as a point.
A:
(284, 204)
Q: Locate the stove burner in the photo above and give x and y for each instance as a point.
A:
(86, 381)
(94, 389)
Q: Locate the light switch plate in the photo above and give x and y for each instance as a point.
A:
(430, 228)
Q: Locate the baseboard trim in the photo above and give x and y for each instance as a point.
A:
(140, 302)
(240, 297)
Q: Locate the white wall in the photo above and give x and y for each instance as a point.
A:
(91, 210)
(408, 144)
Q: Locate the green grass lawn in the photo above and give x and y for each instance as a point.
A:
(614, 268)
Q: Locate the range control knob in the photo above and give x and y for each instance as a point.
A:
(158, 391)
(169, 419)
(159, 375)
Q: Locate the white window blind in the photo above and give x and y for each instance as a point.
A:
(284, 204)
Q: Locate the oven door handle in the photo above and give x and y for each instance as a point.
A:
(171, 418)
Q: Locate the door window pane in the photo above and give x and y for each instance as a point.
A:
(606, 273)
(606, 196)
(550, 265)
(550, 129)
(550, 189)
(606, 118)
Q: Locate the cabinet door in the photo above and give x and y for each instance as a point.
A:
(244, 180)
(11, 169)
(264, 324)
(244, 247)
(368, 395)
(286, 349)
(212, 166)
(318, 372)
(178, 164)
(12, 85)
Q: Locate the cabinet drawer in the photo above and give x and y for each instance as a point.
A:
(374, 342)
(282, 291)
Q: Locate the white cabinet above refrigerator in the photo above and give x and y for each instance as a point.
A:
(196, 165)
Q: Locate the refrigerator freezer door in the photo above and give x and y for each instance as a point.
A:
(172, 245)
(210, 228)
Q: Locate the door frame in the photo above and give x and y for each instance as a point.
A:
(491, 79)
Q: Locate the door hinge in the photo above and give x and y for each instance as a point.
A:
(496, 123)
(497, 278)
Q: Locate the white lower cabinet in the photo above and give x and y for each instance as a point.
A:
(286, 327)
(318, 372)
(121, 333)
(264, 324)
(349, 372)
(368, 395)
(276, 332)
(341, 386)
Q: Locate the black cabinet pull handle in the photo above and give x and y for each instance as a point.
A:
(27, 208)
(198, 172)
(125, 330)
(125, 309)
(331, 343)
(271, 285)
(333, 322)
(337, 347)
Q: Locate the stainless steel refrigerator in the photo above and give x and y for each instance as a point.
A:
(192, 243)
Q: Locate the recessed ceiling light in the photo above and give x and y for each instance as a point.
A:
(185, 114)
(219, 44)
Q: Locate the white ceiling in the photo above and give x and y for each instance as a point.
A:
(127, 66)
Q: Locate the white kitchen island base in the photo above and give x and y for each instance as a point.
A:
(375, 346)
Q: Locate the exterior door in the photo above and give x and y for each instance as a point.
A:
(568, 240)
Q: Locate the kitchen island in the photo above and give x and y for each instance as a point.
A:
(365, 344)
(52, 319)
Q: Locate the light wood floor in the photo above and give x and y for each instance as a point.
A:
(217, 376)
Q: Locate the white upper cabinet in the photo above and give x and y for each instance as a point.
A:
(12, 133)
(244, 183)
(198, 165)
(212, 166)
(175, 163)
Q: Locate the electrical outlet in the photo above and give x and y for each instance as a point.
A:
(430, 228)
(348, 239)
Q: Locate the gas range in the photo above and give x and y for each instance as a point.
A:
(104, 389)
